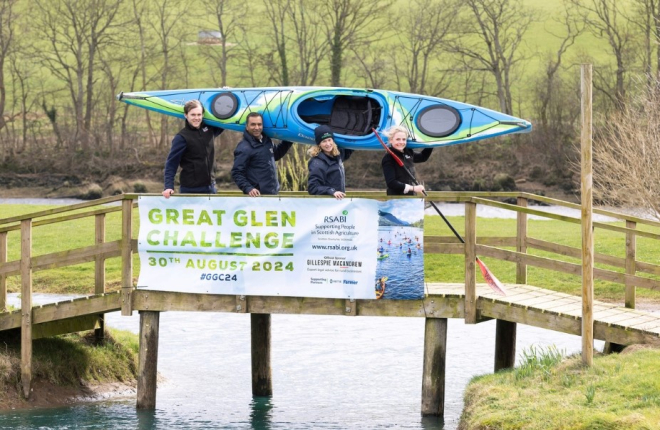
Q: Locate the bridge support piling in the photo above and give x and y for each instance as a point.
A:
(433, 373)
(262, 381)
(148, 360)
(505, 345)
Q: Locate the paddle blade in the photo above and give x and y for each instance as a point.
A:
(491, 280)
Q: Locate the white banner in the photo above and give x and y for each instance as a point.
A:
(259, 246)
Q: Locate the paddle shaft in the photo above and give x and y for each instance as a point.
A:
(412, 177)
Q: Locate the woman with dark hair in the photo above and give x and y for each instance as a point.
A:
(326, 165)
(397, 179)
(193, 150)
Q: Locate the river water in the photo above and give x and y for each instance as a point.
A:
(328, 373)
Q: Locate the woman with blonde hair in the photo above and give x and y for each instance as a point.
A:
(397, 179)
(326, 165)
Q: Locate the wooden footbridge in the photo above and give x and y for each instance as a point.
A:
(525, 304)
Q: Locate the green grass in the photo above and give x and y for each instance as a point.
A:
(79, 279)
(71, 359)
(620, 391)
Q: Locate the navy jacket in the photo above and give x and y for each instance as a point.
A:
(326, 174)
(193, 150)
(254, 164)
(396, 177)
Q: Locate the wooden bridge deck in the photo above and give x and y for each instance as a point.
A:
(557, 311)
(523, 304)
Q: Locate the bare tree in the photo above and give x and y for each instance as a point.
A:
(492, 35)
(546, 87)
(426, 26)
(276, 14)
(311, 45)
(229, 16)
(605, 18)
(348, 24)
(372, 69)
(626, 153)
(75, 31)
(7, 42)
(168, 27)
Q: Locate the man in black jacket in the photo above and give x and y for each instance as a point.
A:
(254, 159)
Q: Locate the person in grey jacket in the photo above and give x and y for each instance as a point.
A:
(326, 165)
(254, 168)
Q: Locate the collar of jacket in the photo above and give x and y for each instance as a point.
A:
(326, 158)
(253, 140)
(190, 127)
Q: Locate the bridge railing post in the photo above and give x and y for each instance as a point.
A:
(26, 306)
(99, 271)
(470, 260)
(631, 269)
(126, 257)
(521, 242)
(3, 278)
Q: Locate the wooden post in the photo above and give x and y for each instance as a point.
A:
(3, 278)
(631, 269)
(148, 360)
(470, 261)
(433, 373)
(262, 382)
(521, 242)
(99, 273)
(26, 306)
(505, 345)
(126, 257)
(587, 220)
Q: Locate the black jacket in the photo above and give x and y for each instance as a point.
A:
(193, 150)
(396, 177)
(326, 174)
(254, 164)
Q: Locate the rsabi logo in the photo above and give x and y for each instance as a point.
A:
(338, 218)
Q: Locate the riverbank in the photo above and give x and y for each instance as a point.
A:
(547, 391)
(69, 369)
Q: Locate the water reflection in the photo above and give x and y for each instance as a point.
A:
(260, 413)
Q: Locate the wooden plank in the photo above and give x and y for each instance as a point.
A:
(99, 272)
(10, 320)
(470, 261)
(148, 300)
(482, 240)
(26, 306)
(570, 251)
(433, 371)
(77, 307)
(61, 209)
(450, 248)
(69, 325)
(148, 360)
(622, 336)
(126, 257)
(612, 214)
(531, 317)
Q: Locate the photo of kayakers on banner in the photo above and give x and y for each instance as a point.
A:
(400, 252)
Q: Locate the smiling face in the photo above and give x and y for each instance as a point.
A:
(327, 145)
(194, 117)
(398, 141)
(255, 126)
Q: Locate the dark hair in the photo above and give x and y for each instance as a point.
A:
(192, 104)
(252, 115)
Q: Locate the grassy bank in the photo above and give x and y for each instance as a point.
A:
(620, 391)
(79, 279)
(69, 366)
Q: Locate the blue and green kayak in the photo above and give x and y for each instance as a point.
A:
(292, 113)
